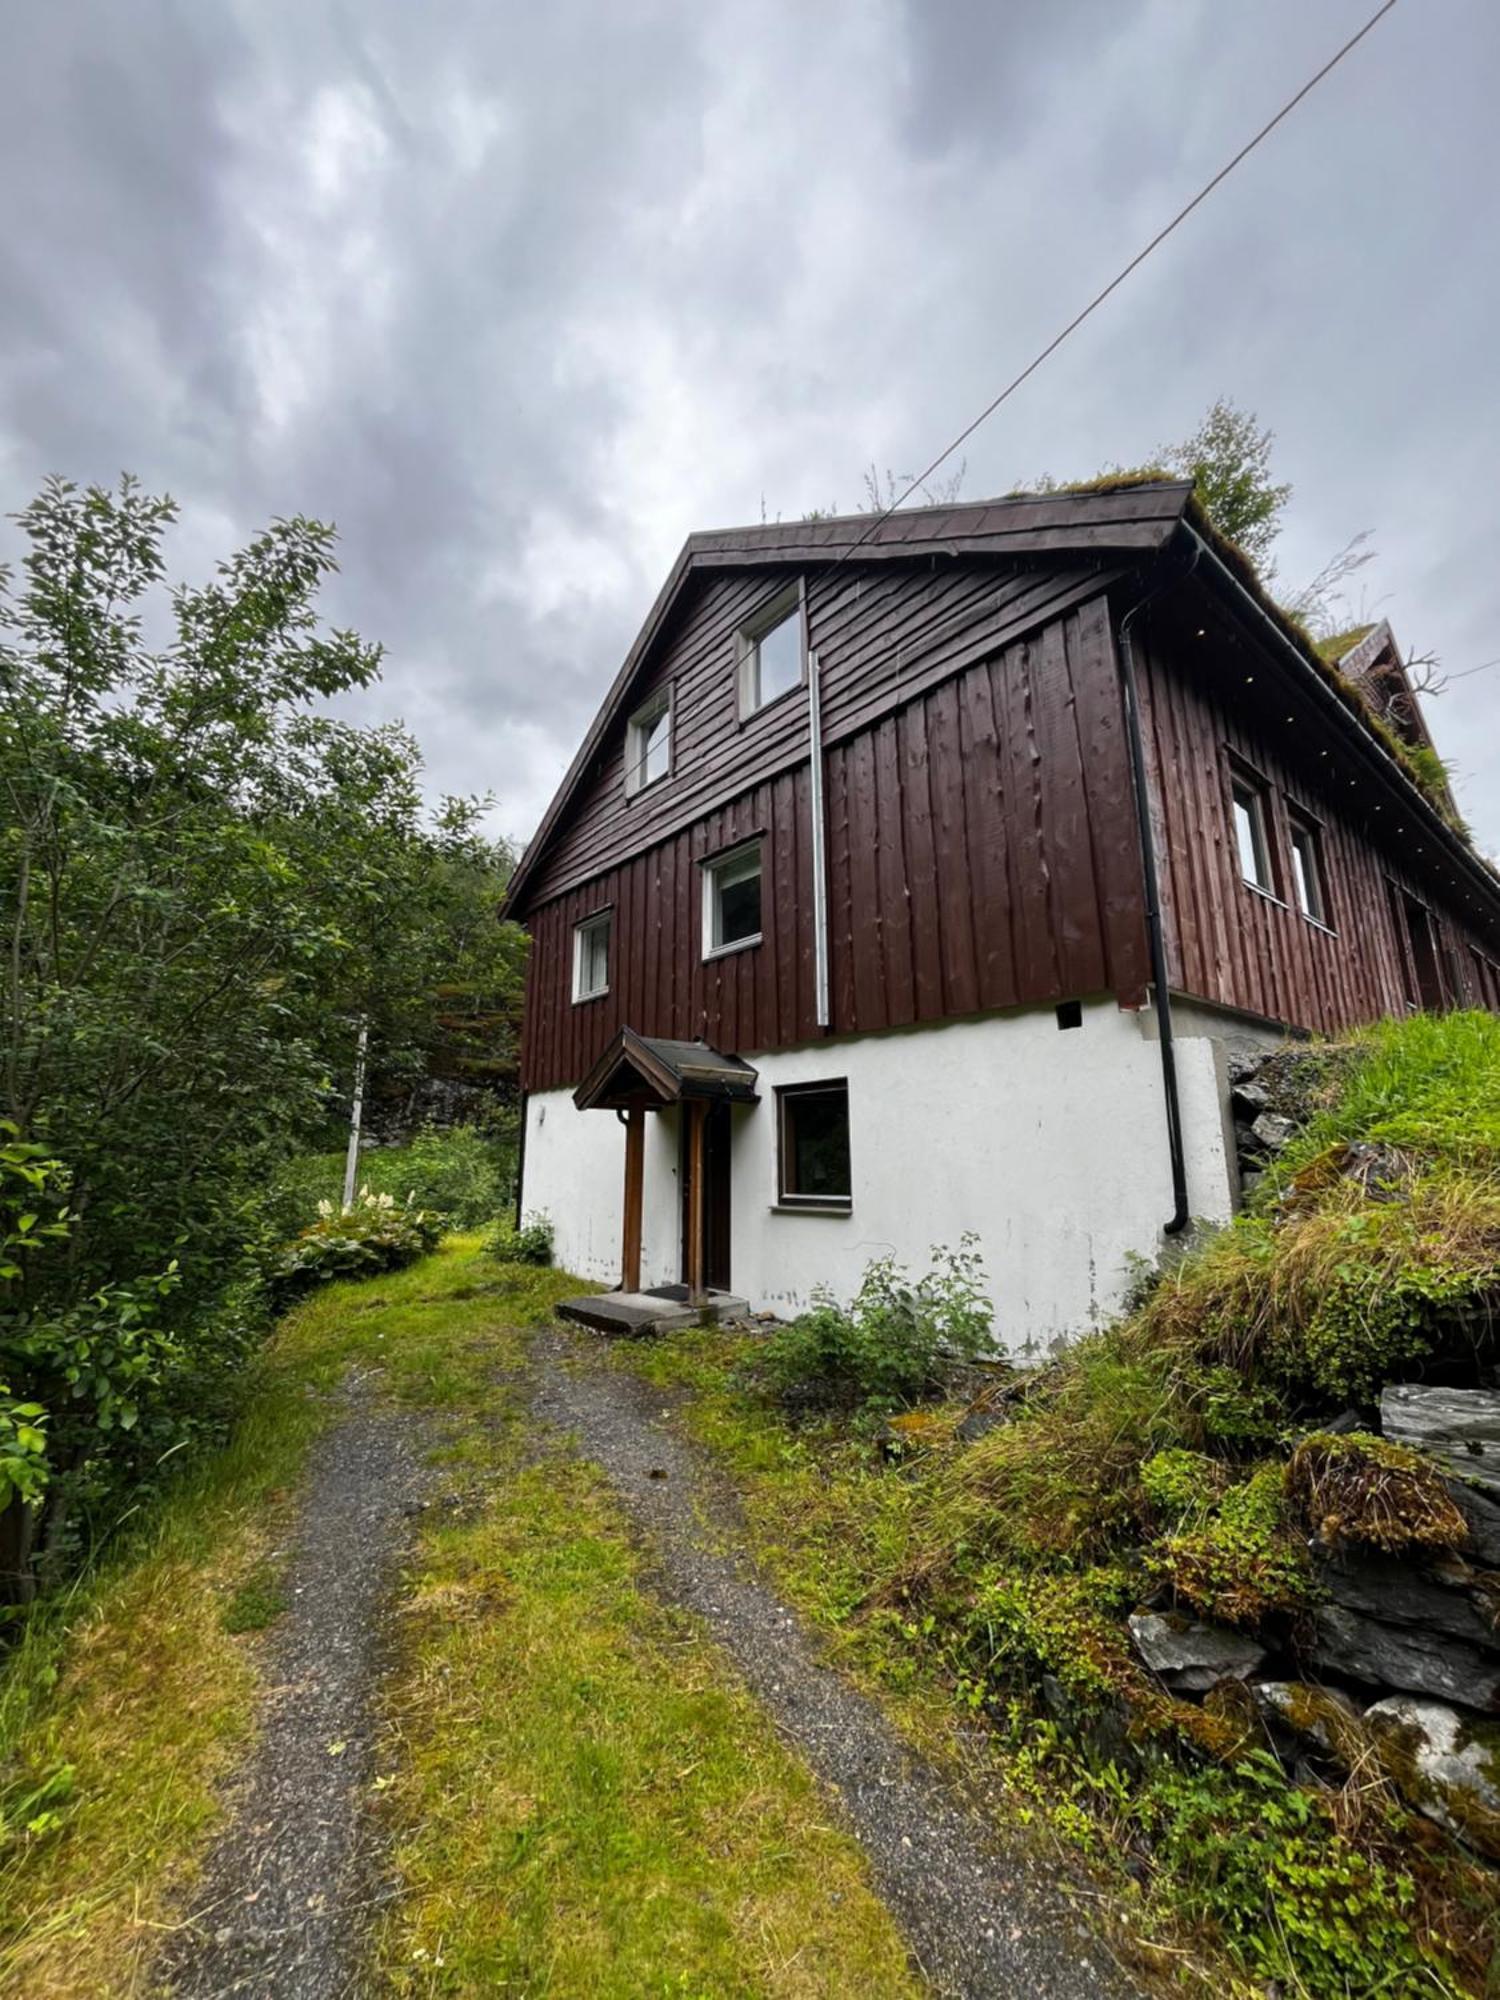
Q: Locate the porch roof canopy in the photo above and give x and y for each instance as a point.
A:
(639, 1072)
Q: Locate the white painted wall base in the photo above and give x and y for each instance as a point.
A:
(1048, 1144)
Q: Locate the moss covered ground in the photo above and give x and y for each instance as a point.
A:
(576, 1794)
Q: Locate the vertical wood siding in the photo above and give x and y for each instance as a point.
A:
(981, 845)
(1212, 698)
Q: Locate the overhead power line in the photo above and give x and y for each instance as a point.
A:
(1115, 282)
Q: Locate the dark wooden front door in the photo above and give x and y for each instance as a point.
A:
(716, 1260)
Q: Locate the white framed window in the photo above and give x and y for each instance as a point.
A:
(648, 743)
(731, 900)
(770, 652)
(591, 956)
(812, 1148)
(1251, 833)
(1307, 867)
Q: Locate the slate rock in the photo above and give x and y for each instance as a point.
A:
(1324, 1717)
(1273, 1130)
(1458, 1427)
(1249, 1099)
(1399, 1592)
(1448, 1768)
(1361, 1648)
(1190, 1657)
(1483, 1517)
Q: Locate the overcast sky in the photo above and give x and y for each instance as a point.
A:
(518, 296)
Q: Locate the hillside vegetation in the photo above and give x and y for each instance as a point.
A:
(1181, 1462)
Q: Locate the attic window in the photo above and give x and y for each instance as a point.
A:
(770, 652)
(1251, 834)
(648, 743)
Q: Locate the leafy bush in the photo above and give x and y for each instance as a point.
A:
(530, 1244)
(464, 1174)
(886, 1348)
(376, 1234)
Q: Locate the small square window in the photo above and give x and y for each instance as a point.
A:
(771, 654)
(731, 901)
(648, 743)
(591, 957)
(1307, 869)
(1250, 835)
(813, 1146)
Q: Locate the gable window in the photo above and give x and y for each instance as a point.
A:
(591, 956)
(1251, 833)
(771, 653)
(1307, 868)
(731, 900)
(648, 743)
(813, 1146)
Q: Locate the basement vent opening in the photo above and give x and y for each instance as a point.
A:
(1070, 1014)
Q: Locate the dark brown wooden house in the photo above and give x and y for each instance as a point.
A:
(917, 882)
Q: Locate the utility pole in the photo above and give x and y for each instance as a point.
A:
(356, 1111)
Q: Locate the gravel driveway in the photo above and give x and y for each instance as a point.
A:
(981, 1923)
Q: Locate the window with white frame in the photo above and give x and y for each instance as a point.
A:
(1252, 834)
(591, 956)
(731, 900)
(1307, 867)
(813, 1146)
(648, 743)
(771, 653)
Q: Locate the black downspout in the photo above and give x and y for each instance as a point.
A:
(521, 1160)
(1160, 993)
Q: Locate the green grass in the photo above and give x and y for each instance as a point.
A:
(579, 1796)
(954, 1582)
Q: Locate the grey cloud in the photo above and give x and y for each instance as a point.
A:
(520, 296)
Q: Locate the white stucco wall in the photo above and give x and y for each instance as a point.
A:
(1049, 1144)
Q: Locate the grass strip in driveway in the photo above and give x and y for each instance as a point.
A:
(582, 1797)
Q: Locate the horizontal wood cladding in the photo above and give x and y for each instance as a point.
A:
(1210, 700)
(981, 854)
(884, 633)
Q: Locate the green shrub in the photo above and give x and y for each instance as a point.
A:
(463, 1175)
(887, 1347)
(530, 1244)
(377, 1234)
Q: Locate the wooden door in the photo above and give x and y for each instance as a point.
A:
(712, 1206)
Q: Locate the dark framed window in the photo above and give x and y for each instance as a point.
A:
(1309, 882)
(731, 900)
(770, 653)
(813, 1146)
(591, 956)
(1252, 831)
(648, 743)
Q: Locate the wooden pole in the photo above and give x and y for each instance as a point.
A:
(696, 1113)
(635, 1177)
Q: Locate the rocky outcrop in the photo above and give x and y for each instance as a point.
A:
(1460, 1428)
(1381, 1654)
(1189, 1657)
(1446, 1766)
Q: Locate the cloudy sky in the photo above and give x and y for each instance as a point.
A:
(520, 295)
